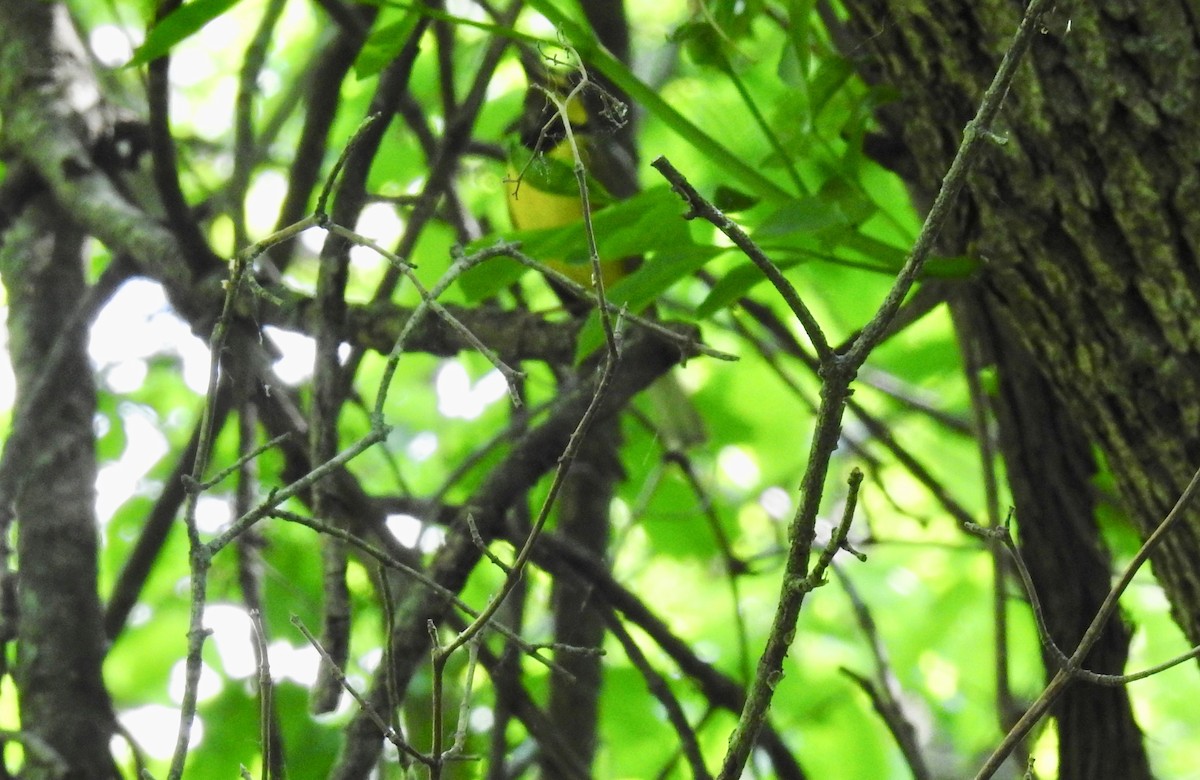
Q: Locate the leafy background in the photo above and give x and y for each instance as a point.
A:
(765, 117)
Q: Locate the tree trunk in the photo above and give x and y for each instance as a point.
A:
(1050, 467)
(1086, 224)
(583, 517)
(48, 473)
(65, 709)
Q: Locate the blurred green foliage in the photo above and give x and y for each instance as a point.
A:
(751, 101)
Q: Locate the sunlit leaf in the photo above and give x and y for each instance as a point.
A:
(806, 215)
(384, 44)
(641, 288)
(178, 26)
(648, 222)
(734, 284)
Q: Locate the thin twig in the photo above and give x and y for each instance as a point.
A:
(687, 345)
(390, 734)
(457, 750)
(837, 539)
(437, 699)
(838, 372)
(277, 497)
(702, 208)
(388, 604)
(242, 460)
(199, 556)
(419, 577)
(564, 464)
(1070, 671)
(661, 690)
(429, 302)
(360, 135)
(477, 538)
(266, 690)
(883, 691)
(1115, 680)
(1039, 613)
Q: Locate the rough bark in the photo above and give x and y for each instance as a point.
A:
(1050, 467)
(49, 464)
(54, 117)
(60, 641)
(1086, 224)
(1085, 219)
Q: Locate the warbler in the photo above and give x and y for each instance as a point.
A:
(543, 192)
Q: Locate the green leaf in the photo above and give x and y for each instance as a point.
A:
(800, 14)
(550, 174)
(729, 199)
(384, 43)
(881, 259)
(649, 98)
(826, 228)
(831, 76)
(803, 215)
(850, 199)
(484, 281)
(644, 286)
(648, 222)
(703, 44)
(875, 253)
(734, 285)
(953, 267)
(177, 26)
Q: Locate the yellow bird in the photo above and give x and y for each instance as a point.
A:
(543, 192)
